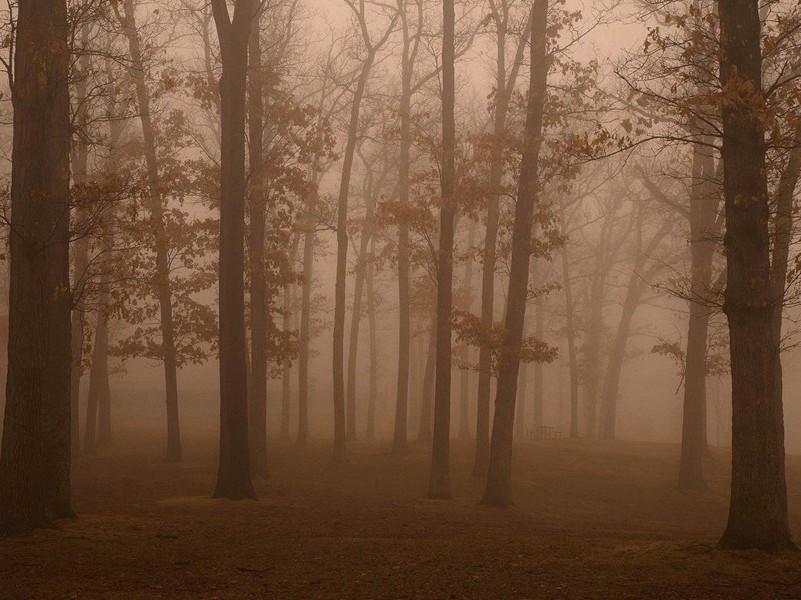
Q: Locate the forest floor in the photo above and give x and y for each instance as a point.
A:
(593, 520)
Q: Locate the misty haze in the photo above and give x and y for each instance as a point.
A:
(400, 299)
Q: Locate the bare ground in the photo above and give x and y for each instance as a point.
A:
(593, 521)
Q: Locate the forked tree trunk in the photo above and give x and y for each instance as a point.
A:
(499, 476)
(439, 483)
(162, 277)
(504, 89)
(758, 506)
(342, 261)
(358, 294)
(233, 474)
(257, 208)
(35, 456)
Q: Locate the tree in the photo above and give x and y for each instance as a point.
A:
(499, 476)
(758, 505)
(156, 204)
(372, 47)
(439, 483)
(35, 456)
(233, 475)
(258, 293)
(504, 88)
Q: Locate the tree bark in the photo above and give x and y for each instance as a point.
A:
(758, 505)
(570, 330)
(257, 208)
(439, 483)
(373, 398)
(499, 476)
(342, 260)
(539, 333)
(35, 455)
(358, 293)
(162, 279)
(704, 203)
(503, 91)
(233, 474)
(80, 163)
(426, 432)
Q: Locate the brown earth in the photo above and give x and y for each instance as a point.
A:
(593, 521)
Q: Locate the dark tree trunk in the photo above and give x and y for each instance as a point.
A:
(539, 332)
(358, 293)
(162, 278)
(439, 483)
(35, 456)
(504, 89)
(342, 261)
(704, 203)
(305, 325)
(522, 392)
(257, 206)
(373, 398)
(499, 475)
(464, 354)
(570, 330)
(98, 380)
(425, 433)
(233, 474)
(758, 506)
(783, 230)
(80, 162)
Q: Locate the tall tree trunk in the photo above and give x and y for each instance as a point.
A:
(305, 323)
(570, 330)
(257, 208)
(499, 476)
(539, 333)
(399, 439)
(35, 455)
(464, 354)
(758, 506)
(373, 398)
(233, 474)
(342, 261)
(616, 356)
(80, 162)
(704, 202)
(290, 296)
(522, 392)
(783, 230)
(98, 378)
(439, 483)
(162, 278)
(504, 89)
(358, 293)
(425, 433)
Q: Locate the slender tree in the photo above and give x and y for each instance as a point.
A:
(439, 483)
(139, 72)
(372, 47)
(499, 477)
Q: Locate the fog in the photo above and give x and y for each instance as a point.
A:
(400, 298)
